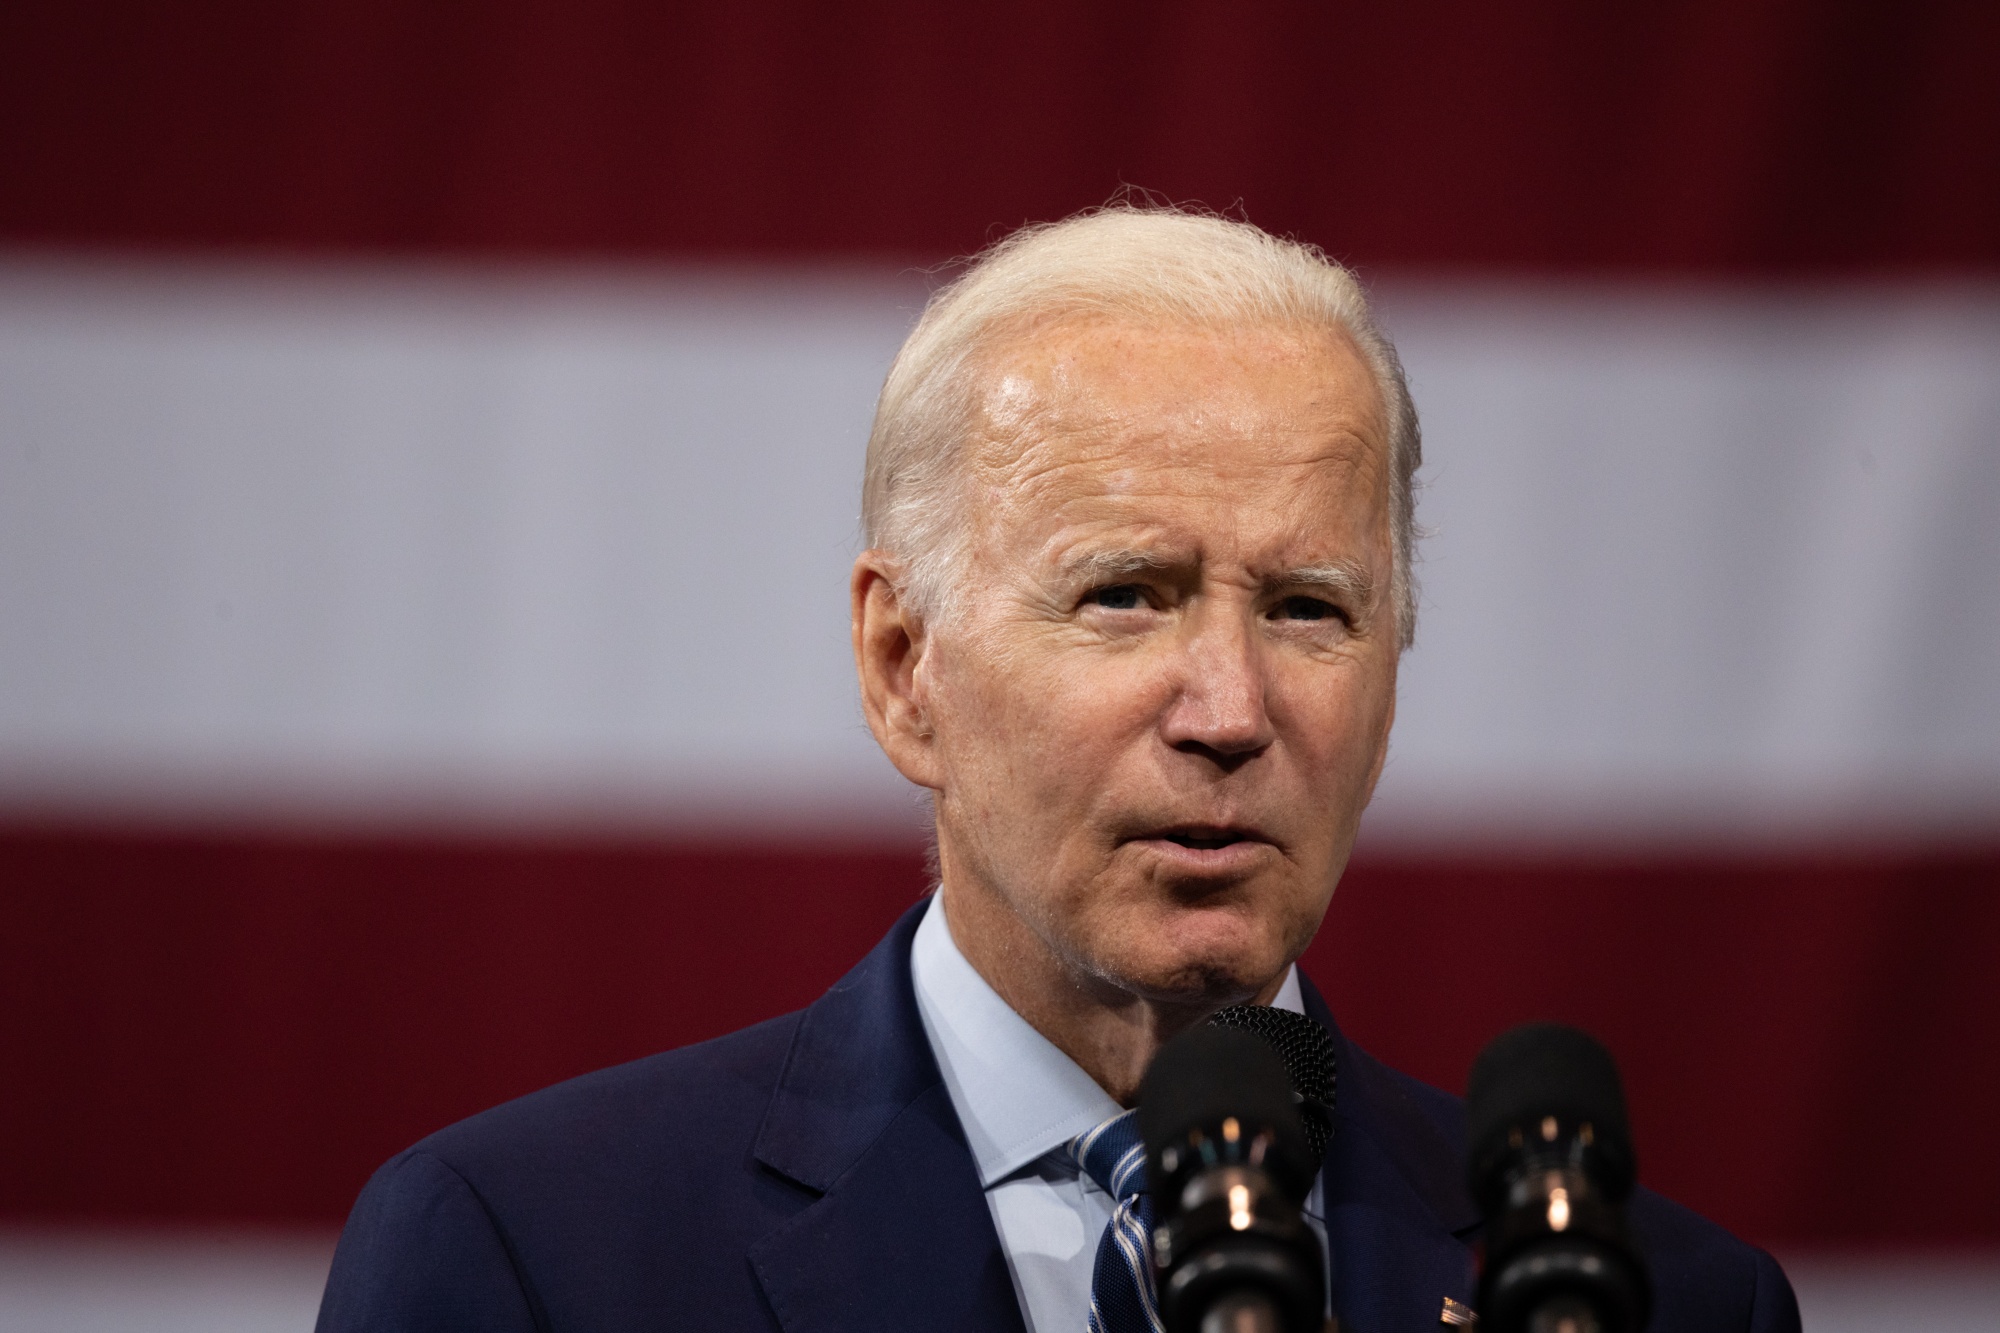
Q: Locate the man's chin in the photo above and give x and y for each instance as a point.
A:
(1197, 964)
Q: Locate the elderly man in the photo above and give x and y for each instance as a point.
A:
(1139, 507)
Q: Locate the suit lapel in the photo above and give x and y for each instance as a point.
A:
(1397, 1215)
(900, 1237)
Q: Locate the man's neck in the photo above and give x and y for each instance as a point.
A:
(1111, 1033)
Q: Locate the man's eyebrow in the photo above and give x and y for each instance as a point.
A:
(1105, 566)
(1340, 577)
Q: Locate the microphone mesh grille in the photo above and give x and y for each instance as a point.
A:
(1307, 1051)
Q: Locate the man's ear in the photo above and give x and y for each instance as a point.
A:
(889, 644)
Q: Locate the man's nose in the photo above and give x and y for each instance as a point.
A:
(1220, 709)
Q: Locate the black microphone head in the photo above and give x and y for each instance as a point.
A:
(1306, 1048)
(1228, 1167)
(1209, 1076)
(1538, 1078)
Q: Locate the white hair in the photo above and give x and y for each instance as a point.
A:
(1124, 261)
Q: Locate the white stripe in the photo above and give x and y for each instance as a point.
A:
(1128, 1165)
(1136, 1257)
(284, 538)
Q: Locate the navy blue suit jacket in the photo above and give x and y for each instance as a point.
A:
(809, 1174)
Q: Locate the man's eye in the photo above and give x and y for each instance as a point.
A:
(1123, 597)
(1305, 608)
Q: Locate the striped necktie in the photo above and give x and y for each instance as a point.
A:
(1122, 1299)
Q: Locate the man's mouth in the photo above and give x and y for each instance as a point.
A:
(1208, 839)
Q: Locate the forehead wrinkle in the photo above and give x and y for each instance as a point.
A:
(1049, 471)
(1130, 532)
(1054, 433)
(1111, 466)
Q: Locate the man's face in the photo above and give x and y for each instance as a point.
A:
(1164, 691)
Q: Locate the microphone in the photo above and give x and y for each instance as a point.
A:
(1307, 1050)
(1229, 1162)
(1551, 1166)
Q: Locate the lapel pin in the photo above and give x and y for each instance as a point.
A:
(1458, 1314)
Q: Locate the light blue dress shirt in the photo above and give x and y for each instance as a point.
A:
(1021, 1101)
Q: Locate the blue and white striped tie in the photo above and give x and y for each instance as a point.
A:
(1122, 1299)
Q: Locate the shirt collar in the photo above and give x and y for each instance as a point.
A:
(1017, 1095)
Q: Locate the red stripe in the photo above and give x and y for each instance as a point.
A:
(238, 1028)
(1731, 135)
